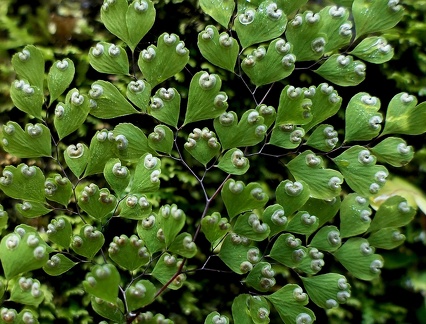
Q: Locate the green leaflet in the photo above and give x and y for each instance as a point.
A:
(140, 294)
(59, 231)
(327, 290)
(138, 92)
(109, 58)
(394, 151)
(327, 239)
(102, 281)
(29, 65)
(88, 242)
(323, 138)
(237, 253)
(112, 311)
(362, 119)
(32, 209)
(77, 157)
(161, 139)
(239, 197)
(256, 25)
(107, 101)
(377, 16)
(215, 316)
(358, 257)
(27, 98)
(294, 107)
(354, 215)
(58, 264)
(361, 173)
(130, 22)
(205, 101)
(117, 176)
(374, 50)
(69, 116)
(158, 63)
(276, 219)
(292, 195)
(221, 50)
(150, 231)
(166, 268)
(261, 277)
(342, 70)
(394, 212)
(249, 131)
(404, 116)
(386, 238)
(325, 210)
(27, 291)
(33, 141)
(325, 103)
(336, 26)
(97, 203)
(203, 145)
(312, 45)
(183, 245)
(147, 174)
(264, 66)
(128, 253)
(23, 250)
(250, 226)
(23, 182)
(59, 78)
(219, 10)
(289, 301)
(165, 106)
(323, 183)
(214, 227)
(135, 206)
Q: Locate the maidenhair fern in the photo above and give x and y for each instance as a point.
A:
(257, 230)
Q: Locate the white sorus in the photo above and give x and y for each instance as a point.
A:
(312, 160)
(318, 44)
(150, 161)
(166, 94)
(98, 50)
(279, 218)
(333, 237)
(208, 33)
(337, 12)
(247, 17)
(140, 6)
(225, 40)
(311, 17)
(169, 39)
(136, 86)
(34, 130)
(62, 65)
(148, 54)
(375, 266)
(364, 157)
(238, 159)
(345, 29)
(77, 99)
(293, 188)
(273, 11)
(207, 81)
(181, 49)
(119, 170)
(28, 171)
(299, 295)
(24, 55)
